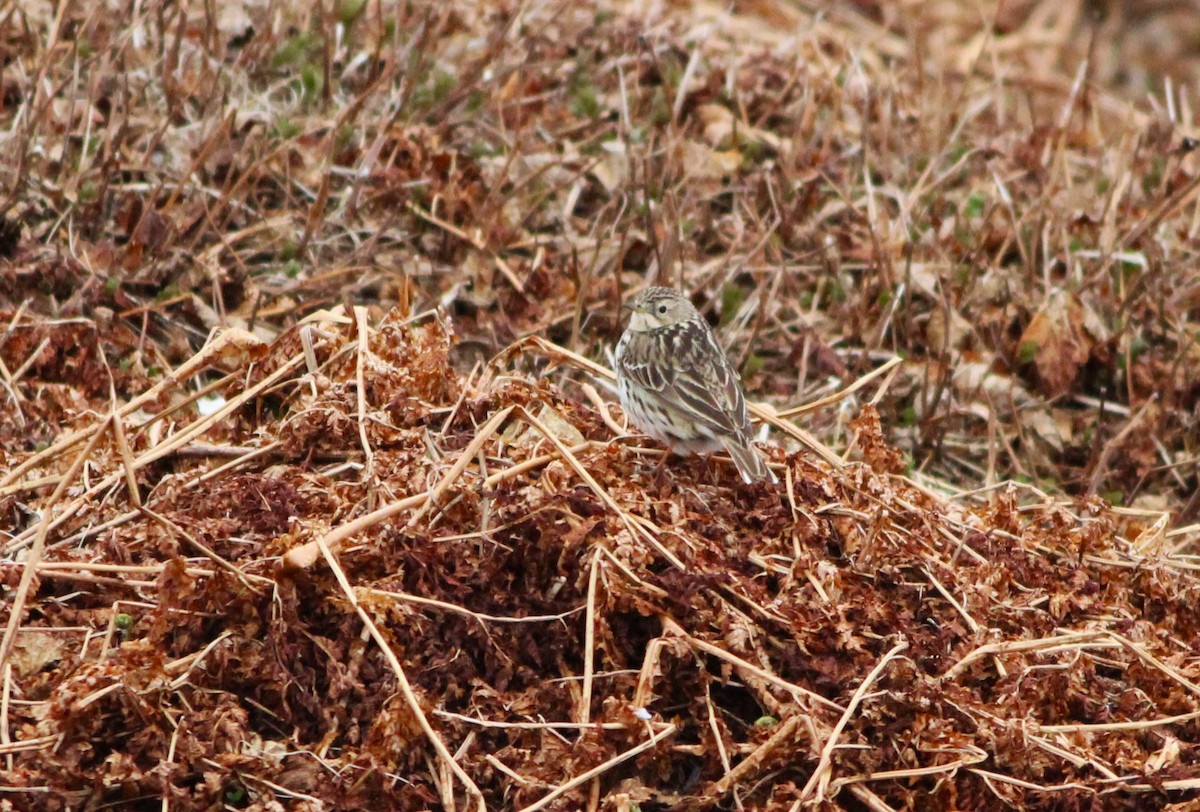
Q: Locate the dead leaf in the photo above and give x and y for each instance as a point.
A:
(1057, 342)
(1166, 755)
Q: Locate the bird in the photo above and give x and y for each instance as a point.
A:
(676, 383)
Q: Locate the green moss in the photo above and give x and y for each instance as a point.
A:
(1154, 176)
(975, 204)
(835, 291)
(755, 152)
(434, 90)
(672, 70)
(297, 49)
(480, 149)
(582, 98)
(350, 10)
(444, 83)
(288, 251)
(312, 79)
(660, 108)
(1027, 352)
(285, 129)
(754, 364)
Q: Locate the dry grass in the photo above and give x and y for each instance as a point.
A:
(365, 233)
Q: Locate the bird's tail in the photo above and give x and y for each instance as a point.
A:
(749, 462)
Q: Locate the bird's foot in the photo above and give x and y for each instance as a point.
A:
(660, 470)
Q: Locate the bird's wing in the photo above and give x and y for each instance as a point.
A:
(696, 379)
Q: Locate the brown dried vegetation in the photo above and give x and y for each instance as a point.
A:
(310, 500)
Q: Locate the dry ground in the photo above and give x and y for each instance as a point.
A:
(313, 495)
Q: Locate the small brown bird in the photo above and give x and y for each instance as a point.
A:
(678, 386)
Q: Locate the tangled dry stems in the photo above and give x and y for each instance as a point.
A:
(1004, 194)
(551, 627)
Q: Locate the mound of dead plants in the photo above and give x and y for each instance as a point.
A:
(333, 572)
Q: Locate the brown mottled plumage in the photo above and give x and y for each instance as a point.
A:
(678, 386)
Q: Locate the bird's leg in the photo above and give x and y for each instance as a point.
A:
(662, 465)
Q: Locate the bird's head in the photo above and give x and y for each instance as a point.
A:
(655, 308)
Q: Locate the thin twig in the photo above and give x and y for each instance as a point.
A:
(819, 780)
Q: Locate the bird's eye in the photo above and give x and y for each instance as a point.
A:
(662, 310)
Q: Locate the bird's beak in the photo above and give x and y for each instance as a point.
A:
(627, 307)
